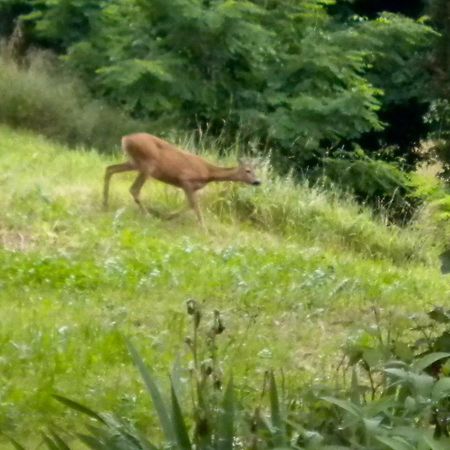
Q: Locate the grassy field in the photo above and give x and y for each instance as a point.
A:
(293, 269)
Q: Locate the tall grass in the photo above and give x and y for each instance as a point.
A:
(39, 96)
(317, 215)
(285, 263)
(314, 212)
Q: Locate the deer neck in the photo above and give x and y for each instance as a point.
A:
(223, 173)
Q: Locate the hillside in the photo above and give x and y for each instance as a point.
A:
(293, 269)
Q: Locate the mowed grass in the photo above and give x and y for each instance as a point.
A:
(293, 269)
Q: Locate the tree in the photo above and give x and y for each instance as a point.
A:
(439, 115)
(440, 14)
(10, 10)
(372, 9)
(286, 72)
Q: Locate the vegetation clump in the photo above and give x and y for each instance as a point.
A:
(397, 398)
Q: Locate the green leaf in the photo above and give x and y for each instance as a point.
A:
(445, 262)
(153, 390)
(433, 444)
(421, 382)
(373, 424)
(277, 422)
(346, 405)
(179, 425)
(427, 360)
(225, 433)
(395, 443)
(440, 314)
(79, 407)
(399, 373)
(441, 389)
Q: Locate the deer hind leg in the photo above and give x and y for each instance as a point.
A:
(109, 172)
(135, 190)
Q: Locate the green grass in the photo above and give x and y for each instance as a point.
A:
(38, 95)
(293, 269)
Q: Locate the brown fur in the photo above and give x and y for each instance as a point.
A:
(153, 157)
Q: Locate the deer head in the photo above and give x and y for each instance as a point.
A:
(246, 173)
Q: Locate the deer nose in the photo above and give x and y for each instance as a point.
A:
(256, 183)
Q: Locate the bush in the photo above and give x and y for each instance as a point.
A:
(378, 183)
(397, 398)
(39, 97)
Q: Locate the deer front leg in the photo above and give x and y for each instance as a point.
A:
(135, 190)
(193, 203)
(109, 172)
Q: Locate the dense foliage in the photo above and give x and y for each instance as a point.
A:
(284, 71)
(440, 111)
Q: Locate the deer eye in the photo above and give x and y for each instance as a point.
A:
(248, 170)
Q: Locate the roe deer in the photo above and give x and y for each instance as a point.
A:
(153, 157)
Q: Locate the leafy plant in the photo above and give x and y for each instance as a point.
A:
(408, 385)
(213, 407)
(379, 183)
(214, 422)
(408, 406)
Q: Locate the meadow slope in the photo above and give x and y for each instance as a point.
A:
(293, 269)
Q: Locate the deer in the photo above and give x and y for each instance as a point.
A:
(155, 158)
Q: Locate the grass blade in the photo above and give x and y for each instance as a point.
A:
(91, 442)
(275, 411)
(118, 430)
(49, 442)
(79, 407)
(179, 425)
(14, 443)
(153, 390)
(101, 433)
(144, 442)
(354, 392)
(59, 441)
(226, 420)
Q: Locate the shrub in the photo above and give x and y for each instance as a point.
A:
(39, 97)
(378, 183)
(397, 398)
